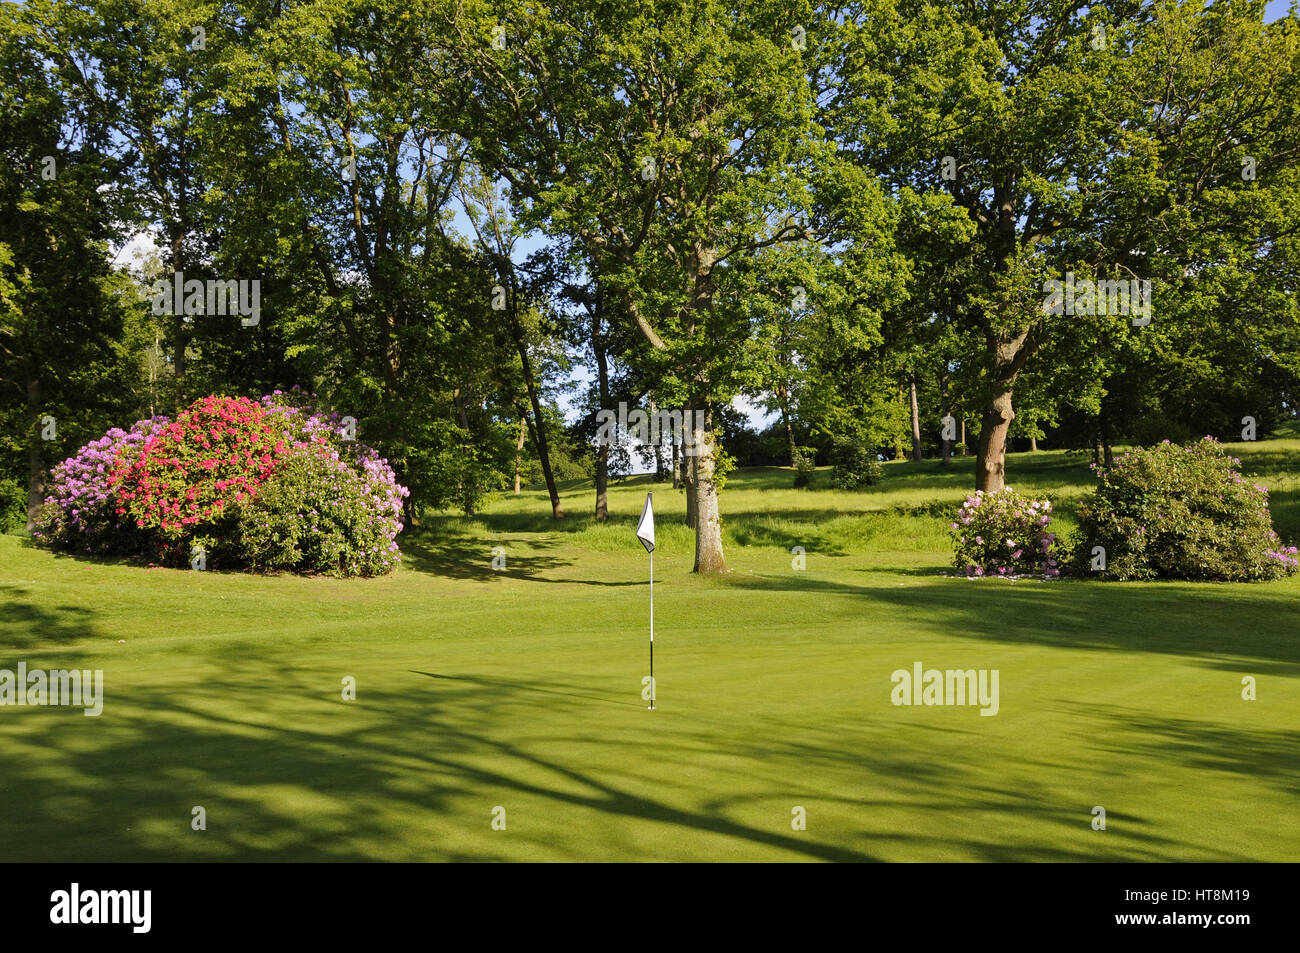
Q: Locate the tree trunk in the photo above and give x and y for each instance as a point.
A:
(538, 424)
(963, 433)
(991, 466)
(35, 458)
(946, 408)
(1107, 451)
(899, 439)
(704, 490)
(659, 463)
(701, 485)
(602, 483)
(519, 450)
(677, 473)
(1006, 356)
(789, 430)
(704, 487)
(179, 229)
(916, 421)
(602, 384)
(463, 416)
(688, 481)
(178, 320)
(1033, 444)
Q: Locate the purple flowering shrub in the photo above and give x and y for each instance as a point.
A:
(79, 511)
(326, 504)
(1004, 534)
(1180, 512)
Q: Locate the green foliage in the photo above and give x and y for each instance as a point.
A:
(313, 516)
(855, 465)
(66, 319)
(805, 465)
(1129, 158)
(13, 505)
(723, 463)
(683, 220)
(1180, 512)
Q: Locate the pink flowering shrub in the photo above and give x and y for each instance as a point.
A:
(1180, 512)
(178, 488)
(220, 449)
(166, 488)
(1004, 534)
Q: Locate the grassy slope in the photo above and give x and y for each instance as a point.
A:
(521, 689)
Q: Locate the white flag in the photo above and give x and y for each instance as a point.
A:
(645, 529)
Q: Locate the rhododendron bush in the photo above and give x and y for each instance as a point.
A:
(315, 513)
(80, 514)
(1180, 512)
(1004, 534)
(168, 490)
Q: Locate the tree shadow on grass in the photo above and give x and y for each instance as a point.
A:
(918, 572)
(361, 775)
(470, 557)
(26, 623)
(1203, 746)
(786, 529)
(410, 770)
(1216, 622)
(90, 559)
(811, 529)
(467, 557)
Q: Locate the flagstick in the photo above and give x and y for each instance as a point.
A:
(652, 630)
(645, 531)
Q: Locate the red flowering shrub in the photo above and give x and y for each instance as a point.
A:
(213, 456)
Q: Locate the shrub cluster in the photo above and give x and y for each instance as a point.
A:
(1004, 534)
(13, 505)
(315, 514)
(271, 484)
(805, 465)
(1180, 512)
(854, 465)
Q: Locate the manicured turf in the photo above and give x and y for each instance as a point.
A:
(521, 689)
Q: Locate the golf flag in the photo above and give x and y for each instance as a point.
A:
(645, 530)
